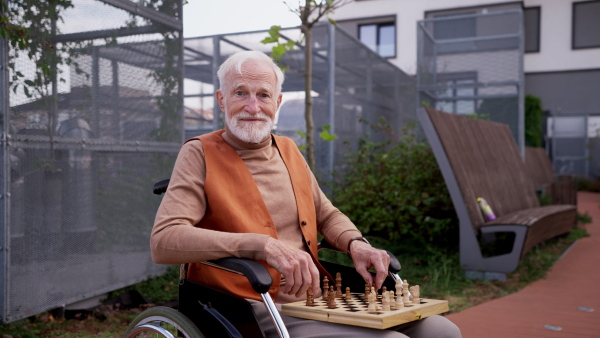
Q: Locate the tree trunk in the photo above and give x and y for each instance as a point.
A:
(308, 116)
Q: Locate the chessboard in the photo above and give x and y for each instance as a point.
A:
(354, 312)
(370, 309)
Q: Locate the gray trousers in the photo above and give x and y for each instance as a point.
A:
(434, 326)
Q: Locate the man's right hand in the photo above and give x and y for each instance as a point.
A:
(295, 265)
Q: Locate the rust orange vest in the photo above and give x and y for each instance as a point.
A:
(234, 204)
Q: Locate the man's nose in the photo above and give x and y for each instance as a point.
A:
(252, 105)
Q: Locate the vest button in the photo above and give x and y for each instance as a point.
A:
(303, 223)
(308, 243)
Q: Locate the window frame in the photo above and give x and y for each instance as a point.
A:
(539, 29)
(378, 26)
(574, 4)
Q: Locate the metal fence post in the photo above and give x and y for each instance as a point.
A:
(4, 178)
(331, 80)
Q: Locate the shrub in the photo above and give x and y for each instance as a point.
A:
(394, 190)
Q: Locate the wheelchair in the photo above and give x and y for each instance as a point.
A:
(206, 312)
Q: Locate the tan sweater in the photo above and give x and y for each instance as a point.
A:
(175, 239)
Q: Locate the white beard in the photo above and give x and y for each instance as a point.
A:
(250, 132)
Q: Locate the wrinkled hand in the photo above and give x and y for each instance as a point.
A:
(365, 257)
(295, 265)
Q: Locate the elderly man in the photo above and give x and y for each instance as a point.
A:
(244, 192)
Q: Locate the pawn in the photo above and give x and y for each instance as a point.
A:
(348, 296)
(372, 303)
(399, 302)
(385, 302)
(331, 303)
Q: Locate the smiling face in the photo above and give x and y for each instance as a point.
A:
(250, 101)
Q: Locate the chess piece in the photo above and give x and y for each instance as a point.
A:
(399, 302)
(309, 297)
(416, 294)
(405, 299)
(372, 307)
(338, 285)
(331, 303)
(325, 288)
(385, 301)
(348, 296)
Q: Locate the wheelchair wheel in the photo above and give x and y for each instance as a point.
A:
(161, 321)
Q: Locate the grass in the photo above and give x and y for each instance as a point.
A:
(437, 273)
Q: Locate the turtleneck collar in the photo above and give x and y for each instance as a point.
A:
(238, 144)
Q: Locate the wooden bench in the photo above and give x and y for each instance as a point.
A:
(561, 189)
(480, 159)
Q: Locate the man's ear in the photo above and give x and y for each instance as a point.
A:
(279, 100)
(220, 97)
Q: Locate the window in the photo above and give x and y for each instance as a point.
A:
(458, 93)
(531, 17)
(381, 38)
(586, 25)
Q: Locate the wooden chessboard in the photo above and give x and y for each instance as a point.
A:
(354, 312)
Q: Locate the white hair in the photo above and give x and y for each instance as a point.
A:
(235, 62)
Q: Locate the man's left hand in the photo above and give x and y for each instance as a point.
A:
(365, 257)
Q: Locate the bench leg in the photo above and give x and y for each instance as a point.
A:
(494, 268)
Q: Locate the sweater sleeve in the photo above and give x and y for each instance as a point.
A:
(336, 227)
(175, 239)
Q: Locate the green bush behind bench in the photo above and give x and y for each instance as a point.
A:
(394, 191)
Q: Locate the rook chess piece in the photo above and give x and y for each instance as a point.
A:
(309, 297)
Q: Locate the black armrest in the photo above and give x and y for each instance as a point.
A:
(160, 187)
(257, 274)
(394, 267)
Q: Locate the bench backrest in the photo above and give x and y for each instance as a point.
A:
(486, 163)
(539, 167)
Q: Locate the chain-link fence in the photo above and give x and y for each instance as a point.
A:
(473, 65)
(352, 88)
(91, 117)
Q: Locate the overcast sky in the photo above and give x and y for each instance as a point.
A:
(210, 17)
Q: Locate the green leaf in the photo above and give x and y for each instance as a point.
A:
(29, 83)
(268, 39)
(332, 21)
(325, 135)
(301, 133)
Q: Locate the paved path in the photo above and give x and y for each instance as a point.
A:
(571, 287)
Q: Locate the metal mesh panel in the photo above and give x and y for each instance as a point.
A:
(365, 86)
(84, 152)
(575, 143)
(473, 65)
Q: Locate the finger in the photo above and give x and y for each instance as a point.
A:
(297, 280)
(314, 275)
(289, 282)
(366, 275)
(306, 280)
(380, 261)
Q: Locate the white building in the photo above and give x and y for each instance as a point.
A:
(560, 62)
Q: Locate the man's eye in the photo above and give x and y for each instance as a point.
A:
(239, 93)
(264, 95)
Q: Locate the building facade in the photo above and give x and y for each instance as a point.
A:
(560, 58)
